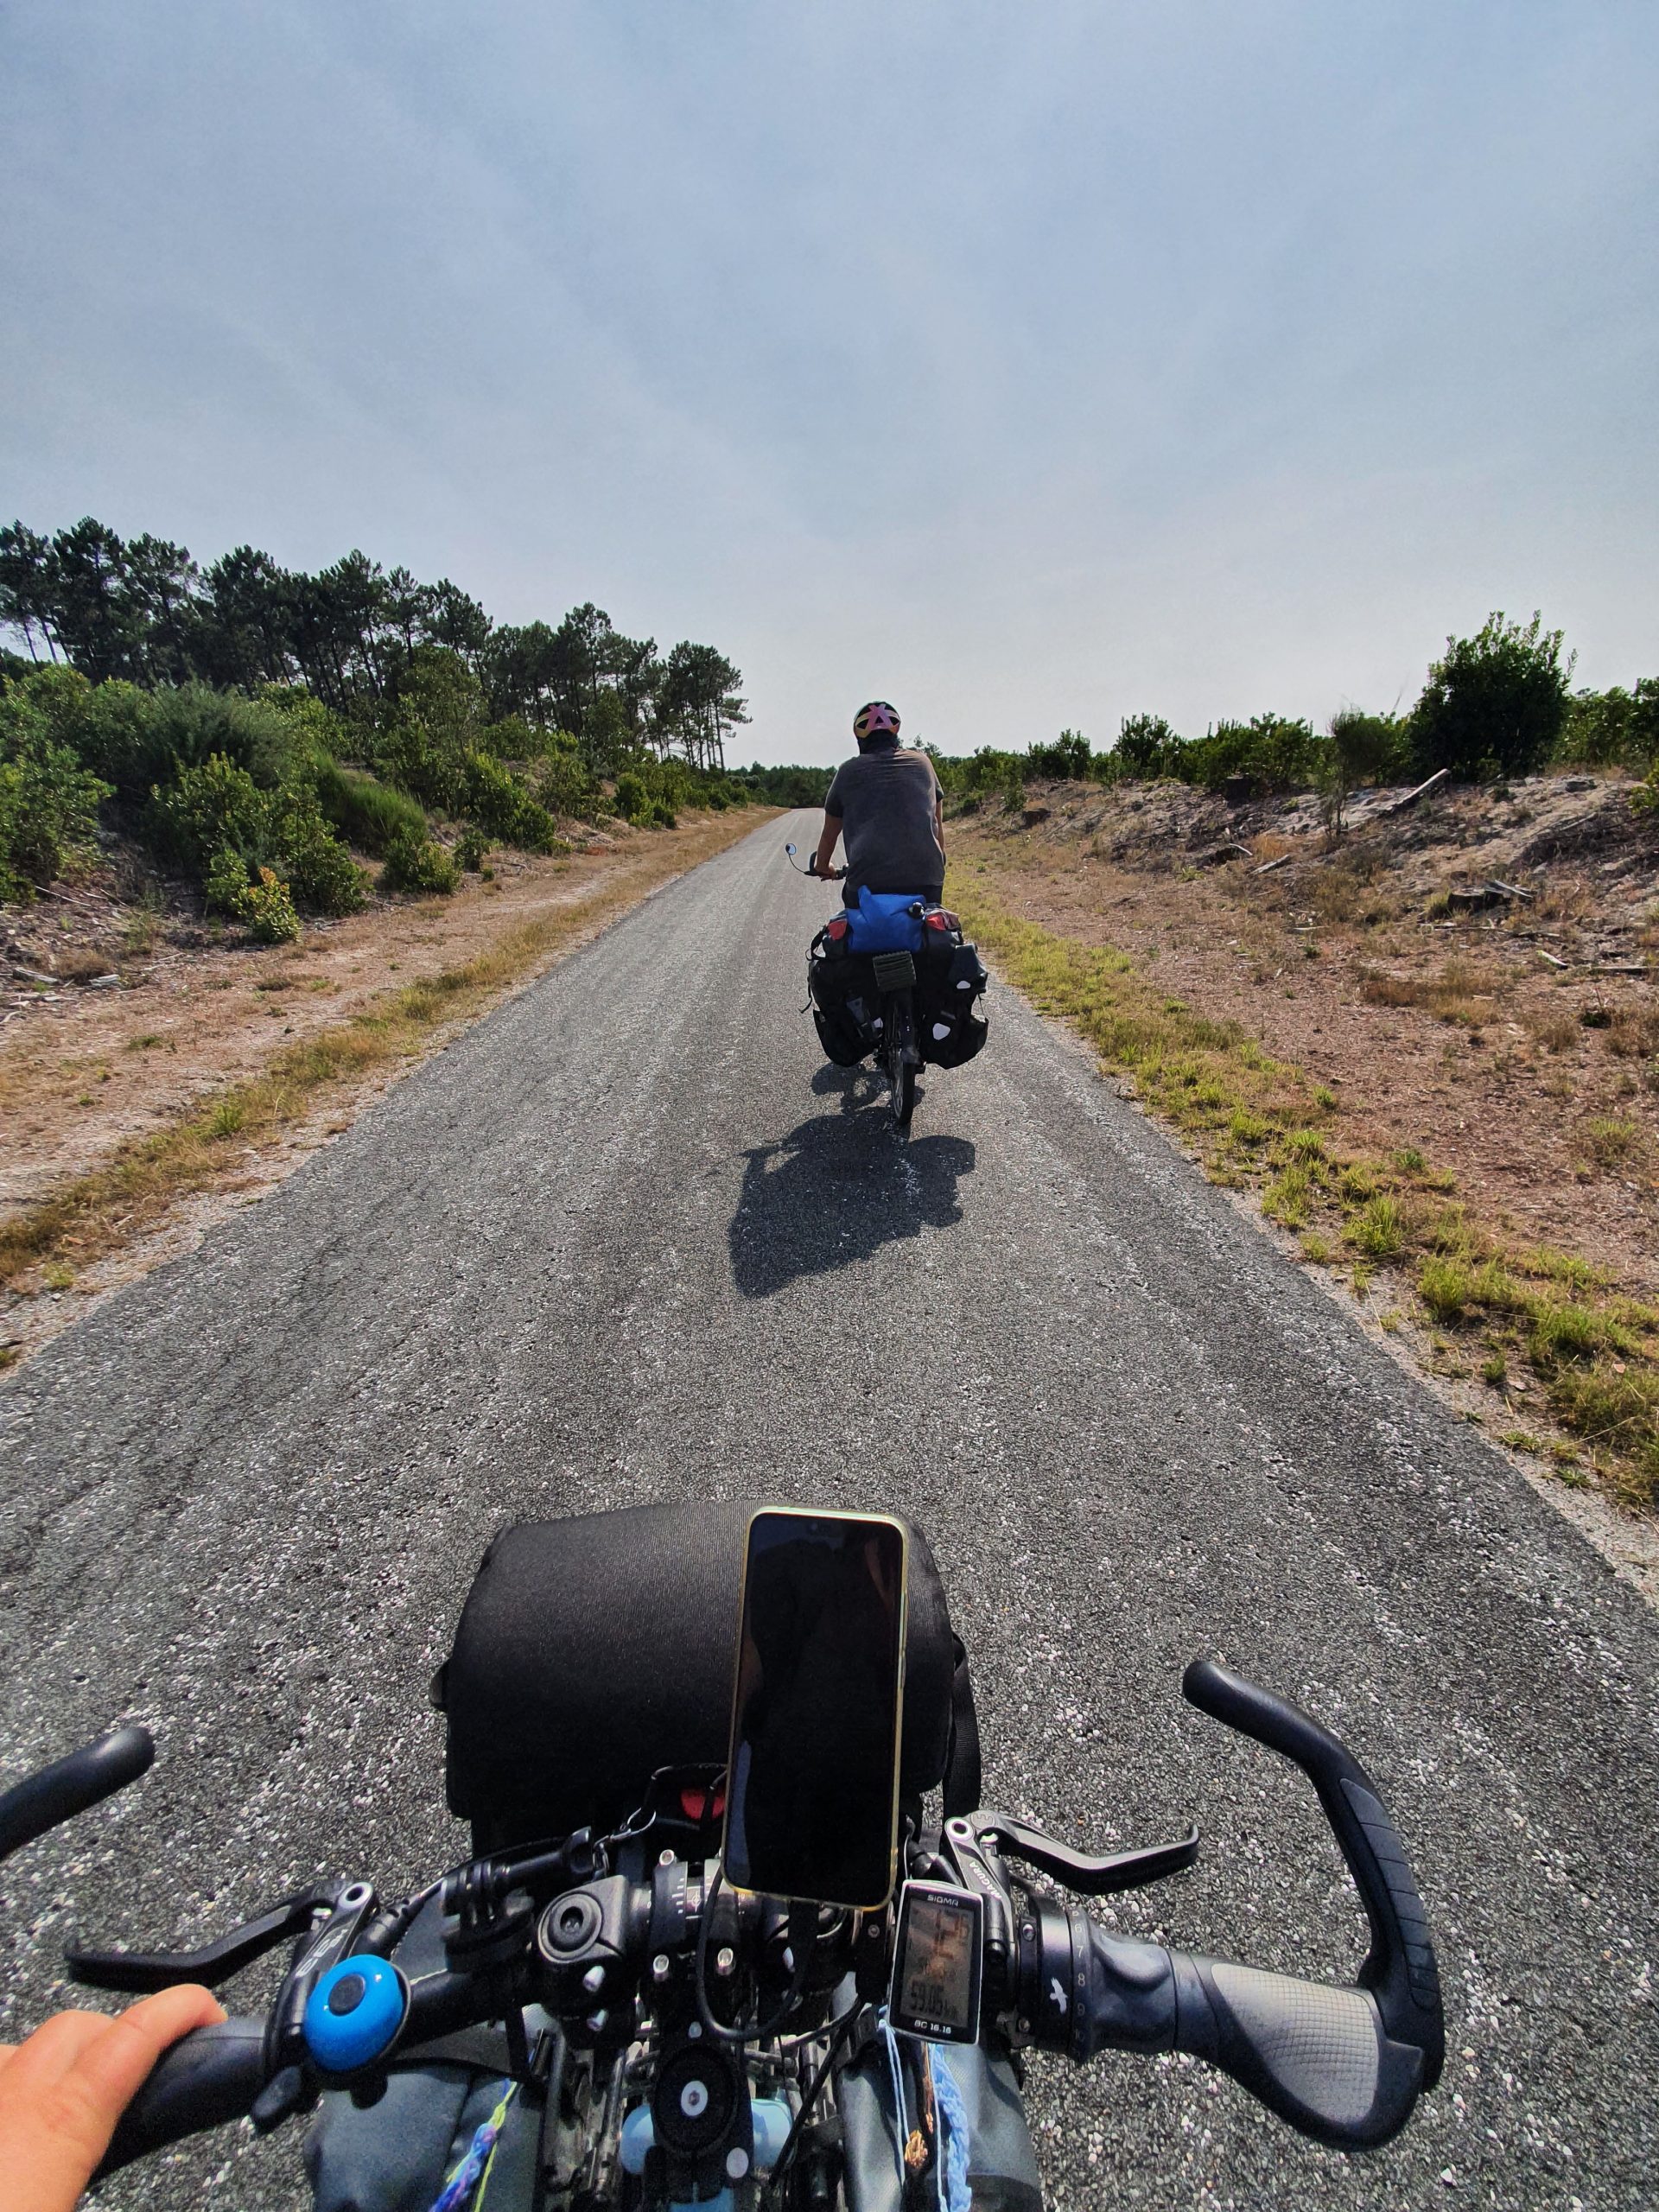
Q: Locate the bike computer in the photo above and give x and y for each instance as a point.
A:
(937, 1960)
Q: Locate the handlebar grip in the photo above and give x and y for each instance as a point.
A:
(211, 2076)
(72, 1784)
(1318, 2056)
(1400, 1969)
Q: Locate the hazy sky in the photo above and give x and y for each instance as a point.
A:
(1026, 364)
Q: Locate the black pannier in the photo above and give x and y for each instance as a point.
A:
(949, 983)
(844, 999)
(592, 1651)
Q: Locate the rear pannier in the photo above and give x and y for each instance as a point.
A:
(844, 999)
(846, 995)
(949, 984)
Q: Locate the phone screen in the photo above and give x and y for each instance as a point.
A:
(813, 1786)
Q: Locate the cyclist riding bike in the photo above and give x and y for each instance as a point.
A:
(886, 805)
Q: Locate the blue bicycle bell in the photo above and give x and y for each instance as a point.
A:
(353, 2013)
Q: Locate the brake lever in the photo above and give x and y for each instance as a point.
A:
(144, 1971)
(1077, 1870)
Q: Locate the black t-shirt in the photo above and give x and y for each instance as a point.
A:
(886, 801)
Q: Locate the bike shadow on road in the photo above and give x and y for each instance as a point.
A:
(840, 1186)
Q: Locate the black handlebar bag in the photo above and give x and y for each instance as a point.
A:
(593, 1651)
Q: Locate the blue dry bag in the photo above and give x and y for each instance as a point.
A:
(882, 922)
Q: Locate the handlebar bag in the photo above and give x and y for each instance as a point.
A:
(593, 1651)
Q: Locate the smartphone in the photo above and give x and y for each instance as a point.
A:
(813, 1781)
(937, 1963)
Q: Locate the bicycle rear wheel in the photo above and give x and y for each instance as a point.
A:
(900, 1034)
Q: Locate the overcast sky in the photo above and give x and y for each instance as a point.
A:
(1028, 364)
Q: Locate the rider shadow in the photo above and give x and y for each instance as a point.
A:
(837, 1188)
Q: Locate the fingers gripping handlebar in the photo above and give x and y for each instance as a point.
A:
(212, 2076)
(1343, 2065)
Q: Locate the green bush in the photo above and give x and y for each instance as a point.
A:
(501, 804)
(1495, 705)
(366, 812)
(1068, 758)
(417, 864)
(1275, 755)
(323, 874)
(1613, 729)
(189, 727)
(1146, 746)
(49, 810)
(269, 911)
(205, 810)
(406, 754)
(323, 733)
(561, 782)
(469, 850)
(1369, 748)
(218, 808)
(225, 889)
(632, 800)
(257, 897)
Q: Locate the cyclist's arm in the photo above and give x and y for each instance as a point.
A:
(63, 2090)
(826, 851)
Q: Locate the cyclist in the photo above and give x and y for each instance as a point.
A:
(62, 2091)
(886, 805)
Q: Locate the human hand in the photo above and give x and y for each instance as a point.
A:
(62, 2091)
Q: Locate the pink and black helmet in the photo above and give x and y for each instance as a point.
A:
(877, 720)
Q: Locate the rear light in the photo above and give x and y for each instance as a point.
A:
(838, 928)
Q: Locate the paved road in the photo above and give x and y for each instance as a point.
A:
(629, 1239)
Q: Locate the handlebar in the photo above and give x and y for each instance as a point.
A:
(1345, 2065)
(72, 1785)
(823, 874)
(1316, 2055)
(209, 2077)
(589, 1930)
(1399, 1972)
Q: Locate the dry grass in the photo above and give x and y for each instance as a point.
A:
(1539, 1325)
(1458, 993)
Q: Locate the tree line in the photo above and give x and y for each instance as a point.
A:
(259, 731)
(1497, 705)
(144, 610)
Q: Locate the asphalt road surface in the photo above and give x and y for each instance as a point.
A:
(629, 1239)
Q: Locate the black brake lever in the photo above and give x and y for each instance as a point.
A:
(1089, 1877)
(145, 1971)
